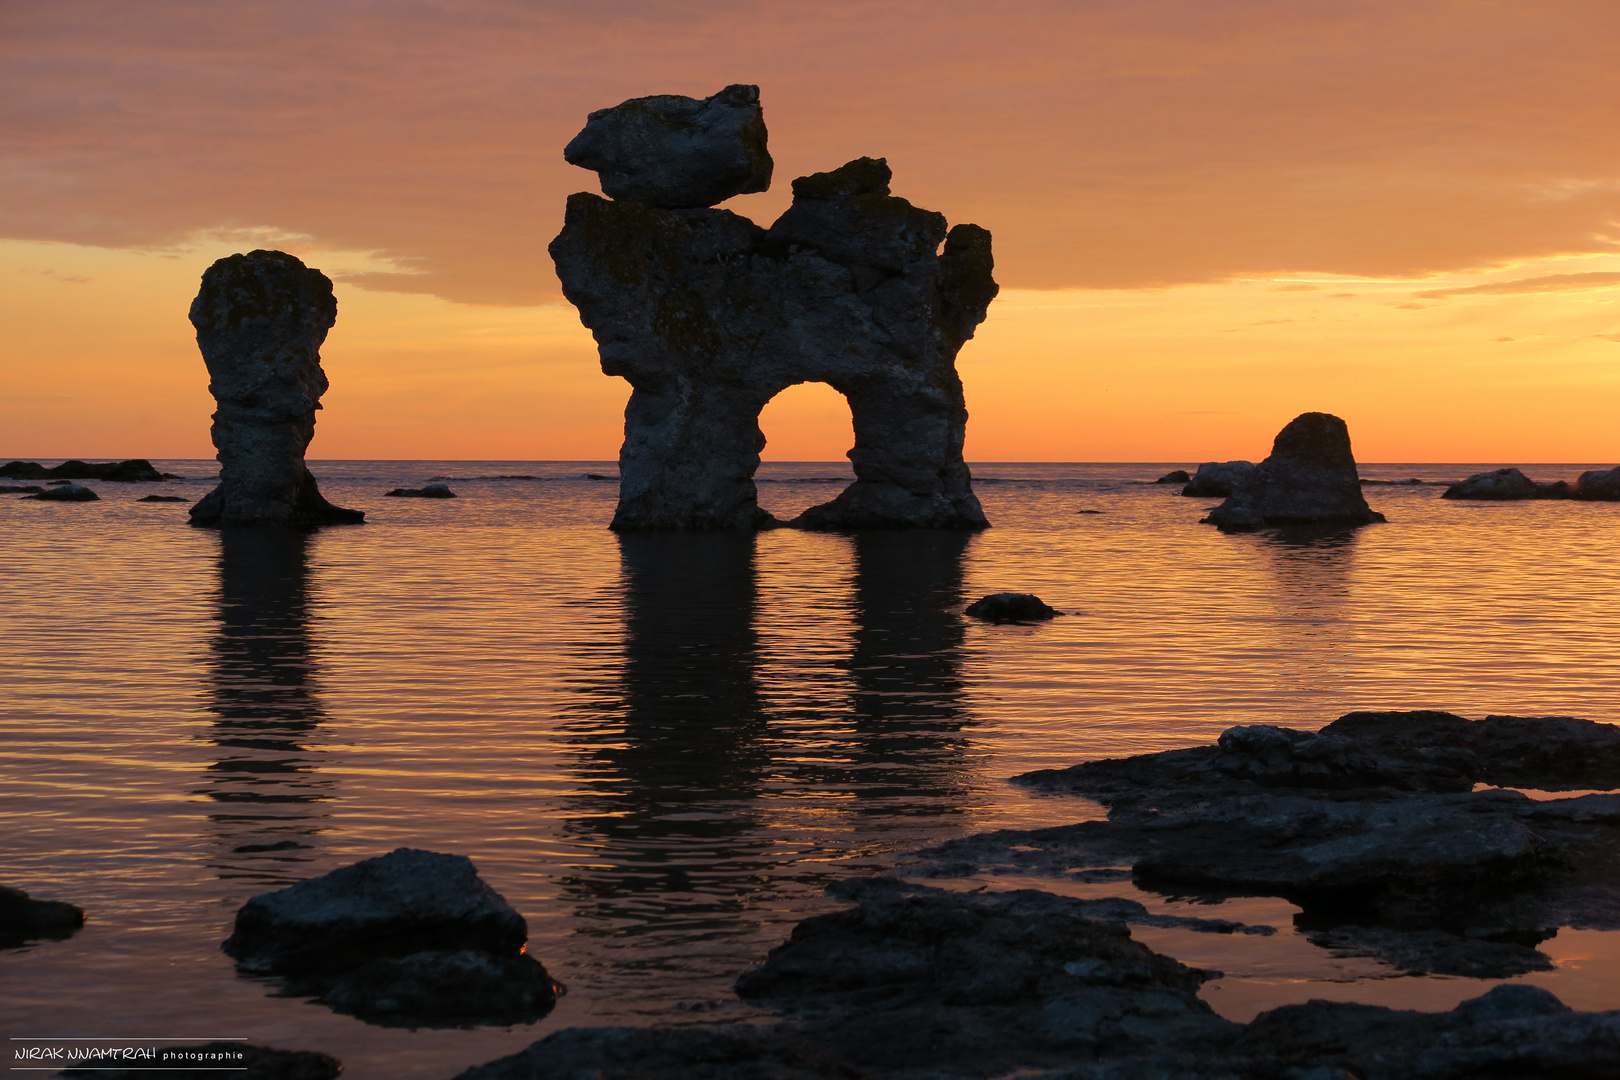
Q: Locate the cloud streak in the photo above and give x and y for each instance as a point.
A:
(1542, 284)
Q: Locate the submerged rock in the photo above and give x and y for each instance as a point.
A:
(1218, 479)
(1309, 479)
(1174, 476)
(407, 901)
(429, 491)
(133, 471)
(445, 989)
(66, 492)
(677, 152)
(709, 317)
(163, 498)
(27, 489)
(261, 319)
(1598, 485)
(24, 919)
(1011, 607)
(238, 1060)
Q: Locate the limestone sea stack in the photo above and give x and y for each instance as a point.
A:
(1309, 479)
(708, 316)
(261, 319)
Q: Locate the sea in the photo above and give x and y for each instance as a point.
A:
(661, 748)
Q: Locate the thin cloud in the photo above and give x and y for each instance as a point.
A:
(1545, 283)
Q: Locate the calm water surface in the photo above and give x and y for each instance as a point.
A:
(661, 748)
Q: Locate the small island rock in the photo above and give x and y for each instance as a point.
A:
(1011, 607)
(1499, 485)
(67, 492)
(1218, 479)
(1599, 485)
(676, 152)
(407, 901)
(133, 471)
(429, 491)
(1175, 476)
(24, 919)
(1309, 479)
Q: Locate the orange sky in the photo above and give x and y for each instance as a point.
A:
(1208, 217)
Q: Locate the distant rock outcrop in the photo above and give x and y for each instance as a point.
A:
(1011, 607)
(261, 319)
(1309, 479)
(1599, 485)
(1218, 479)
(1501, 485)
(133, 471)
(709, 316)
(428, 491)
(67, 492)
(1174, 476)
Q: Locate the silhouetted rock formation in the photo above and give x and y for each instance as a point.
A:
(1598, 485)
(28, 489)
(133, 471)
(708, 317)
(1218, 479)
(66, 492)
(1011, 607)
(1309, 479)
(163, 498)
(430, 491)
(261, 319)
(1502, 484)
(677, 153)
(24, 919)
(1174, 476)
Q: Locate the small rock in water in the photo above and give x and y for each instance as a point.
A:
(25, 489)
(1088, 511)
(68, 492)
(1011, 607)
(677, 152)
(430, 491)
(1175, 476)
(240, 1061)
(1309, 479)
(1218, 479)
(162, 498)
(1500, 485)
(1598, 485)
(24, 919)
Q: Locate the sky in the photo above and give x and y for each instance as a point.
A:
(1208, 217)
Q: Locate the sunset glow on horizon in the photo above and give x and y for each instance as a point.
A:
(1207, 219)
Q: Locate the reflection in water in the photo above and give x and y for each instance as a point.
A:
(906, 664)
(1311, 569)
(681, 753)
(264, 697)
(710, 799)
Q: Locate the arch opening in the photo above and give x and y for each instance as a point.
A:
(808, 431)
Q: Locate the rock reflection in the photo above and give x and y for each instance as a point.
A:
(1312, 616)
(265, 697)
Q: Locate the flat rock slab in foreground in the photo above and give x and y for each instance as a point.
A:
(239, 1061)
(916, 983)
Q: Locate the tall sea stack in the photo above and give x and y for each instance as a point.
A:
(708, 316)
(1309, 479)
(261, 319)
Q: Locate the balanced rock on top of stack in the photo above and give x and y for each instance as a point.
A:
(1309, 479)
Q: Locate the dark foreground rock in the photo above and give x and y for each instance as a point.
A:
(238, 1060)
(163, 498)
(1309, 479)
(1174, 476)
(66, 492)
(916, 983)
(675, 152)
(261, 319)
(23, 919)
(1598, 485)
(1370, 825)
(1004, 607)
(1218, 479)
(133, 471)
(428, 491)
(409, 939)
(709, 317)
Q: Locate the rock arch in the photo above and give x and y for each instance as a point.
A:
(709, 316)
